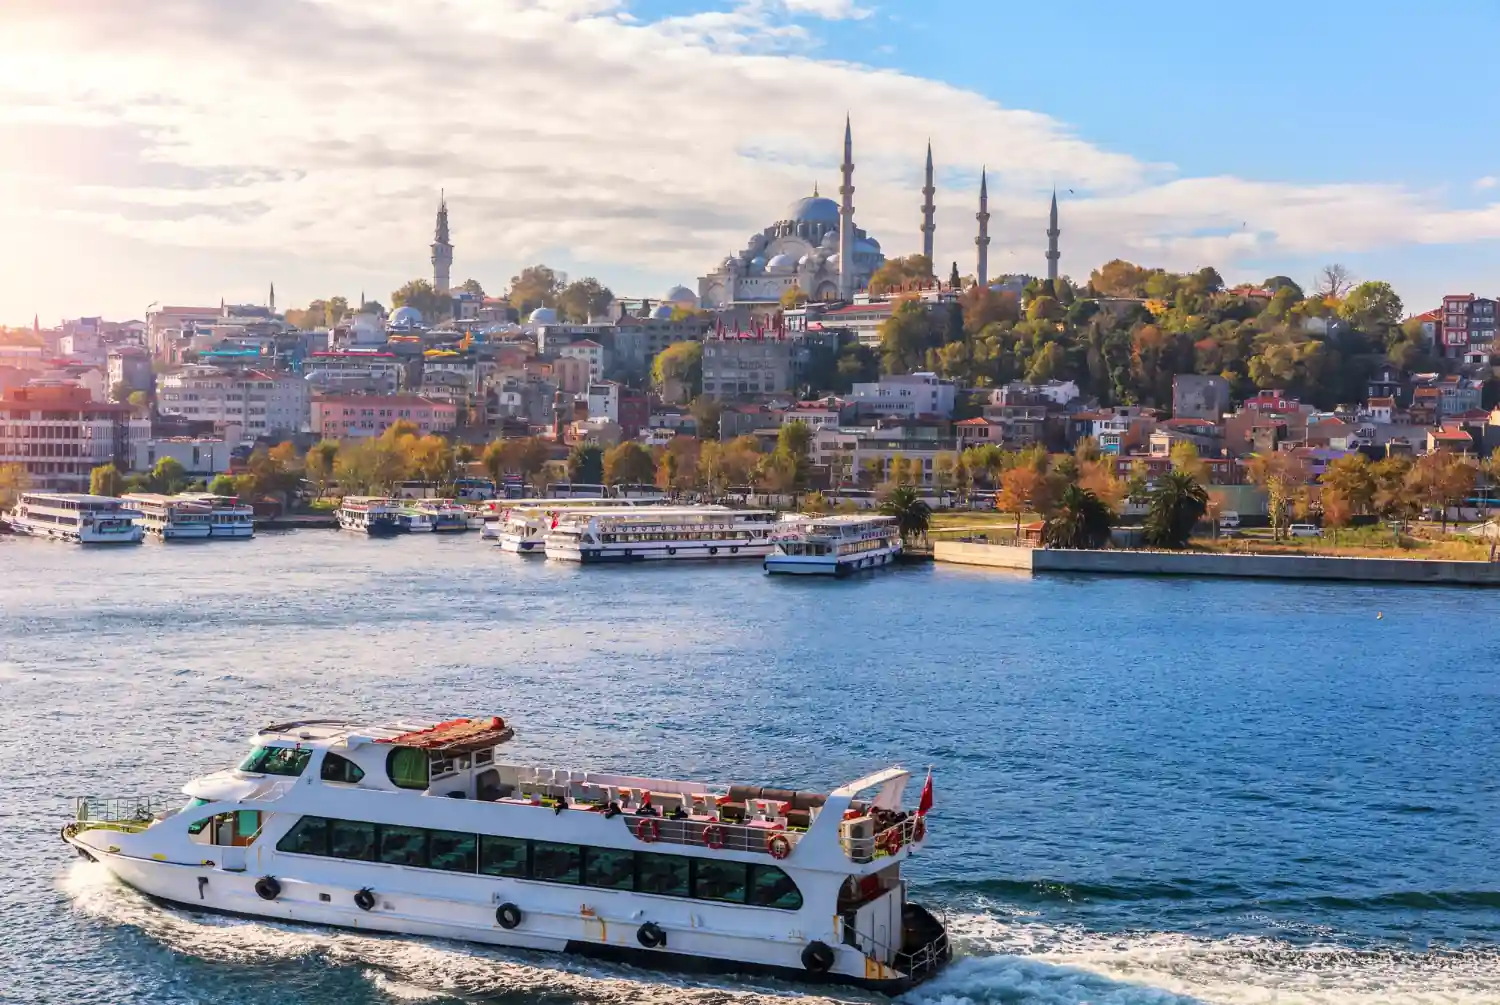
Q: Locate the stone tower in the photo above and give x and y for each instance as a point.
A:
(846, 218)
(442, 249)
(1052, 234)
(982, 242)
(928, 209)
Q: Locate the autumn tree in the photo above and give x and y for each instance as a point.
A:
(905, 337)
(680, 362)
(583, 299)
(911, 272)
(14, 480)
(536, 286)
(629, 463)
(106, 480)
(793, 297)
(1281, 475)
(1017, 487)
(418, 294)
(1185, 458)
(1349, 485)
(319, 466)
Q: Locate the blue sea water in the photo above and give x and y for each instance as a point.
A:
(1148, 791)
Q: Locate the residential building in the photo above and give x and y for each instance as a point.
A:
(1426, 407)
(861, 321)
(626, 407)
(830, 412)
(905, 395)
(637, 341)
(736, 365)
(866, 454)
(355, 370)
(1385, 382)
(737, 420)
(1467, 320)
(1120, 429)
(59, 434)
(130, 370)
(1451, 439)
(353, 416)
(1432, 326)
(1458, 394)
(571, 373)
(1198, 397)
(591, 352)
(1267, 418)
(259, 402)
(1056, 392)
(1021, 426)
(167, 325)
(1203, 434)
(199, 456)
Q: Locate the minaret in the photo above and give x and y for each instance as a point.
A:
(272, 304)
(1052, 234)
(846, 218)
(442, 250)
(982, 242)
(928, 209)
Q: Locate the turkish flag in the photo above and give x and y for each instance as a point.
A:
(925, 803)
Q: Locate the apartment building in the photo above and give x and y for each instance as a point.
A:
(353, 416)
(59, 434)
(259, 402)
(736, 365)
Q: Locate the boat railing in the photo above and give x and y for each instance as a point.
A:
(886, 841)
(701, 832)
(916, 962)
(125, 813)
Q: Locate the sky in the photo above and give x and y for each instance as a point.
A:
(188, 151)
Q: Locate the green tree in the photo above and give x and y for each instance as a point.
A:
(138, 399)
(106, 480)
(472, 286)
(681, 362)
(955, 282)
(583, 299)
(629, 463)
(169, 477)
(905, 337)
(857, 364)
(14, 480)
(334, 310)
(1281, 475)
(320, 461)
(419, 294)
(794, 440)
(1184, 455)
(586, 464)
(536, 286)
(1372, 307)
(1350, 479)
(1079, 520)
(222, 485)
(913, 515)
(1177, 503)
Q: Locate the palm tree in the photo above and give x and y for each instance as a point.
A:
(913, 516)
(1081, 520)
(1177, 503)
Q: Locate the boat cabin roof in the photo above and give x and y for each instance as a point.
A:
(454, 736)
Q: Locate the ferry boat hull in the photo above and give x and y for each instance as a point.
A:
(375, 526)
(73, 535)
(522, 546)
(799, 565)
(209, 886)
(183, 532)
(238, 532)
(649, 552)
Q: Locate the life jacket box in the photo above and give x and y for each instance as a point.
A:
(859, 838)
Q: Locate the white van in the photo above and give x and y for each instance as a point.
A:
(1304, 530)
(1229, 520)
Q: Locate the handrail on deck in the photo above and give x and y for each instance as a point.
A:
(694, 832)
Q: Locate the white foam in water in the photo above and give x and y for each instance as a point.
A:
(1005, 959)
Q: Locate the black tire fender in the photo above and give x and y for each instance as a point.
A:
(365, 899)
(508, 916)
(818, 957)
(267, 888)
(651, 935)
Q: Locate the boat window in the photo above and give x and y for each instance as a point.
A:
(666, 875)
(196, 827)
(308, 836)
(246, 823)
(451, 851)
(407, 768)
(555, 863)
(351, 839)
(502, 856)
(714, 880)
(609, 868)
(770, 887)
(403, 845)
(340, 769)
(277, 761)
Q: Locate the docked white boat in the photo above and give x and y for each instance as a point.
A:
(525, 525)
(412, 519)
(662, 532)
(81, 519)
(422, 829)
(231, 518)
(372, 515)
(835, 546)
(172, 518)
(445, 515)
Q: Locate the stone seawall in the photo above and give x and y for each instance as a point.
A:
(1166, 563)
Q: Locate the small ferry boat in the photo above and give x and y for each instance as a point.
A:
(525, 525)
(231, 518)
(412, 519)
(81, 519)
(835, 546)
(172, 518)
(423, 829)
(661, 532)
(372, 515)
(445, 515)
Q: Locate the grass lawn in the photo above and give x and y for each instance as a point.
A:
(956, 523)
(1355, 542)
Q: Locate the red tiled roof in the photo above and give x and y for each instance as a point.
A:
(1382, 402)
(1444, 433)
(973, 422)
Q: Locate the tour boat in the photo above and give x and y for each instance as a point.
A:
(445, 515)
(172, 518)
(372, 515)
(421, 829)
(411, 519)
(661, 532)
(525, 526)
(835, 546)
(81, 519)
(231, 518)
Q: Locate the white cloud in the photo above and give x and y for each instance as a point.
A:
(291, 134)
(1487, 182)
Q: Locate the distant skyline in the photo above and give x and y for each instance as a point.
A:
(186, 151)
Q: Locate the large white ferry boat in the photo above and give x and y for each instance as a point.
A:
(662, 532)
(524, 526)
(835, 546)
(422, 829)
(172, 518)
(231, 517)
(82, 519)
(372, 515)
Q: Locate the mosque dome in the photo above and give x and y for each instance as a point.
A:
(832, 261)
(543, 316)
(662, 312)
(813, 209)
(781, 263)
(806, 261)
(867, 246)
(406, 316)
(682, 295)
(758, 263)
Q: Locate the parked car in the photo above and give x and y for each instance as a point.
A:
(1304, 530)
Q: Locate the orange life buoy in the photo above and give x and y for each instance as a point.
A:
(778, 846)
(648, 830)
(713, 836)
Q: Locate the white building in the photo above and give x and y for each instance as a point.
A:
(260, 403)
(590, 352)
(906, 395)
(604, 400)
(199, 456)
